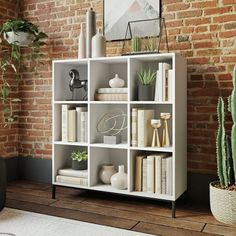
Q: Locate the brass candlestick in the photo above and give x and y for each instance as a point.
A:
(156, 124)
(165, 133)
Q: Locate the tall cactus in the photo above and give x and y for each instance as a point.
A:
(135, 44)
(233, 113)
(220, 144)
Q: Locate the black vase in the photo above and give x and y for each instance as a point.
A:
(145, 92)
(3, 183)
(79, 165)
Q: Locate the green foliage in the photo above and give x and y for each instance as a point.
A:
(146, 77)
(136, 44)
(151, 44)
(12, 60)
(78, 155)
(226, 145)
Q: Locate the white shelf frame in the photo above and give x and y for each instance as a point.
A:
(179, 121)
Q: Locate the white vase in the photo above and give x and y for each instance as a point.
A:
(82, 43)
(119, 180)
(106, 172)
(90, 30)
(116, 82)
(98, 44)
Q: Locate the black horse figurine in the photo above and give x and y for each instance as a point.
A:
(76, 83)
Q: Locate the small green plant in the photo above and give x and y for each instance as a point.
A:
(151, 44)
(146, 77)
(12, 60)
(136, 44)
(78, 155)
(226, 145)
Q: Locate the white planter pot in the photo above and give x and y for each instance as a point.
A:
(223, 204)
(20, 38)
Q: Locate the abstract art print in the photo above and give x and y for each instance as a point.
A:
(118, 13)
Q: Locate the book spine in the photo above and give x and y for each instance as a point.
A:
(150, 174)
(163, 176)
(84, 133)
(158, 174)
(141, 128)
(169, 175)
(138, 173)
(111, 97)
(144, 175)
(72, 173)
(112, 90)
(134, 123)
(170, 85)
(71, 126)
(72, 180)
(64, 122)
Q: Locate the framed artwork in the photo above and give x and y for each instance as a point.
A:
(143, 16)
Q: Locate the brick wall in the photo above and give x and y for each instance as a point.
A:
(203, 31)
(8, 134)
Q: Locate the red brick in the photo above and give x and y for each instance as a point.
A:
(204, 4)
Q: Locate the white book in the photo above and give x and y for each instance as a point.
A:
(163, 175)
(64, 122)
(72, 180)
(134, 124)
(144, 127)
(159, 83)
(78, 112)
(169, 175)
(84, 127)
(73, 173)
(165, 68)
(112, 90)
(170, 85)
(150, 174)
(71, 125)
(158, 174)
(144, 175)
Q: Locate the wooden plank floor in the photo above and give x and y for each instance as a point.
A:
(134, 214)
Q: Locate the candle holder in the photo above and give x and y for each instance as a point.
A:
(156, 124)
(165, 134)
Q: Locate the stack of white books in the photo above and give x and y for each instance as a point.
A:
(74, 124)
(111, 94)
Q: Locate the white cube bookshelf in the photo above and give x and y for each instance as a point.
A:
(98, 71)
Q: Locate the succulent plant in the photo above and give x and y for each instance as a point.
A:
(146, 77)
(136, 44)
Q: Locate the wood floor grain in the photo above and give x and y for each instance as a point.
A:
(142, 215)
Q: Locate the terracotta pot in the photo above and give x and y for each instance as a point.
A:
(223, 204)
(106, 172)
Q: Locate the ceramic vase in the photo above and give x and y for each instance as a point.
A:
(98, 44)
(90, 30)
(119, 180)
(82, 43)
(79, 165)
(116, 82)
(145, 92)
(106, 172)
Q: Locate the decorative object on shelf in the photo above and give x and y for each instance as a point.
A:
(116, 82)
(165, 134)
(136, 44)
(77, 83)
(112, 123)
(90, 30)
(118, 13)
(145, 87)
(82, 43)
(223, 192)
(151, 44)
(156, 124)
(98, 44)
(120, 179)
(15, 35)
(106, 172)
(79, 160)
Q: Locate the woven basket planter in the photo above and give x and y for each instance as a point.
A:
(223, 204)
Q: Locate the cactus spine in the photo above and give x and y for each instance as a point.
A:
(136, 45)
(233, 131)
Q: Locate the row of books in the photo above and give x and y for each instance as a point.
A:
(69, 176)
(111, 94)
(74, 124)
(164, 83)
(141, 129)
(153, 174)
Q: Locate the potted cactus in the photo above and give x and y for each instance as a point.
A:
(136, 44)
(223, 192)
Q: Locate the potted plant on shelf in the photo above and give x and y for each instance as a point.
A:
(223, 192)
(79, 160)
(14, 35)
(145, 87)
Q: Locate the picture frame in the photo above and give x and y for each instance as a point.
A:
(117, 14)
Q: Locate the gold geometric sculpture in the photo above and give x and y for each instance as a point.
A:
(156, 124)
(165, 132)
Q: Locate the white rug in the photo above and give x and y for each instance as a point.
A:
(22, 223)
